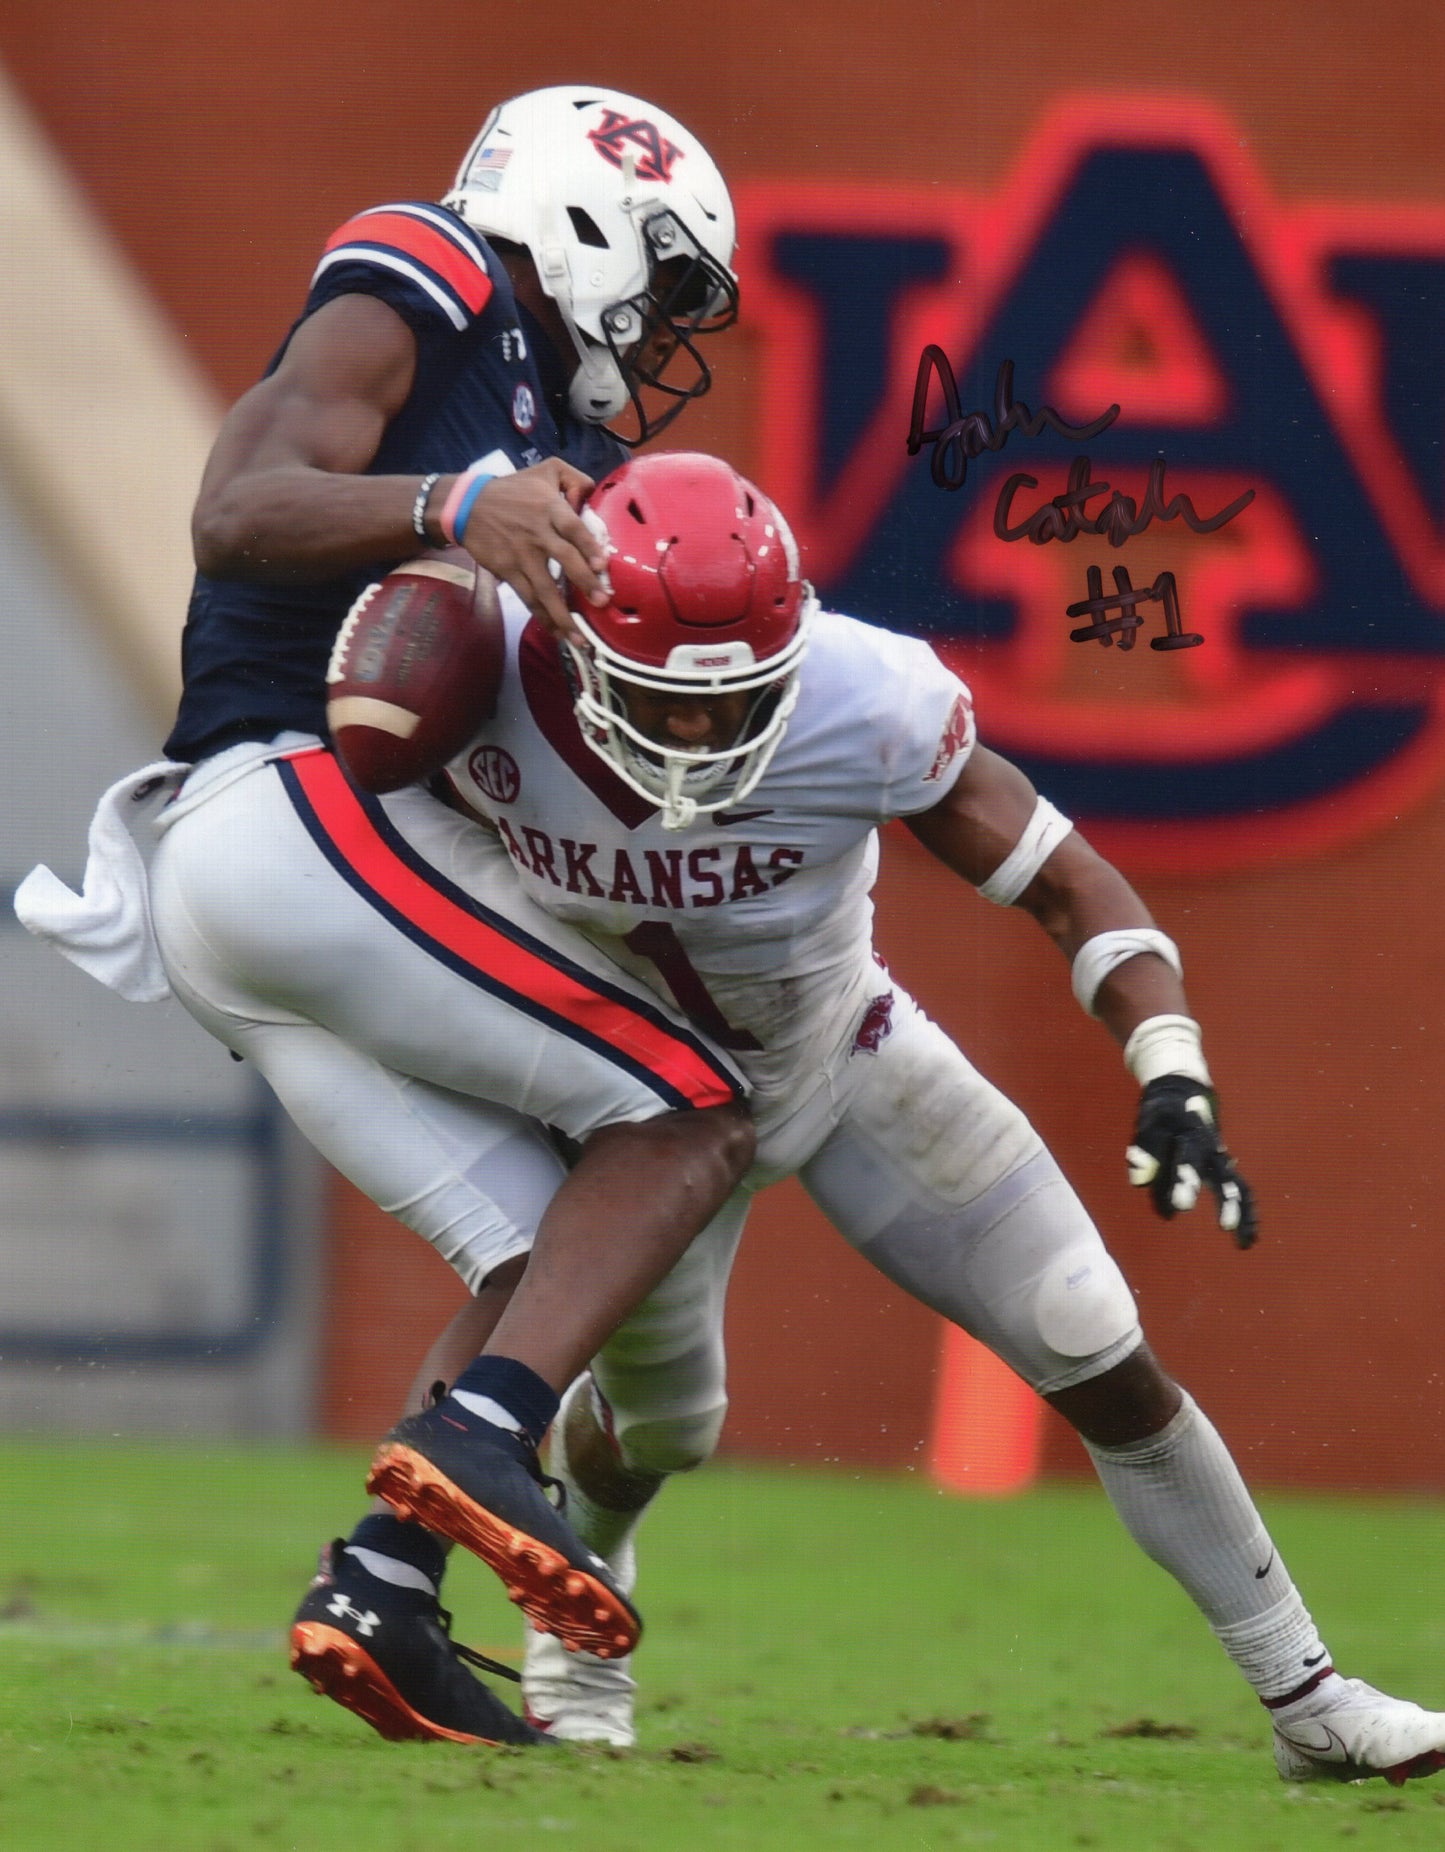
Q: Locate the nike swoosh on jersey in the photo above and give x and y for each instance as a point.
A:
(728, 817)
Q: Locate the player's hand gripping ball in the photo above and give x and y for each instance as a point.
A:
(1177, 1151)
(414, 670)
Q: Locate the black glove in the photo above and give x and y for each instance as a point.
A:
(1177, 1151)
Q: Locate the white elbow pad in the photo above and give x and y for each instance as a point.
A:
(1043, 833)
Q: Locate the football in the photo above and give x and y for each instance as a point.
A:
(414, 670)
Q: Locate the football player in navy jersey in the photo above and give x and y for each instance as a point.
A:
(454, 378)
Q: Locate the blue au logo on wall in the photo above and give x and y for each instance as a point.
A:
(1136, 256)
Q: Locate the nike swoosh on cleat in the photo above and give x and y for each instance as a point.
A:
(1260, 1574)
(1316, 1739)
(1323, 1653)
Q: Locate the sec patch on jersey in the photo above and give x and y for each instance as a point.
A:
(414, 670)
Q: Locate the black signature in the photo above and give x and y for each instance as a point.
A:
(1120, 519)
(969, 434)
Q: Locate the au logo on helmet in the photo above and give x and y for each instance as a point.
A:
(1137, 256)
(616, 134)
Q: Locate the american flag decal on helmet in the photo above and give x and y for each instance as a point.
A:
(487, 169)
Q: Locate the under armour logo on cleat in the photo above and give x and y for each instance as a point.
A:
(366, 1623)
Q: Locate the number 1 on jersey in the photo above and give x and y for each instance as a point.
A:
(657, 942)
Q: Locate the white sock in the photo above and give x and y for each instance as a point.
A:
(610, 1533)
(1182, 1500)
(488, 1410)
(392, 1569)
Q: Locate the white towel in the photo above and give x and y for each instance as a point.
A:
(106, 928)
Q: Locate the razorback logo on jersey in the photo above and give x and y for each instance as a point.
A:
(957, 733)
(876, 1026)
(616, 133)
(1136, 256)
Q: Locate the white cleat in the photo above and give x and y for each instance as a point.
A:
(576, 1697)
(1345, 1730)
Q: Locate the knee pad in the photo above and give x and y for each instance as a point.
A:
(1083, 1305)
(671, 1444)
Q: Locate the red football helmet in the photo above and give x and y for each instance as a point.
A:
(707, 598)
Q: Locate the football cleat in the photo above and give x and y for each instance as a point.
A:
(484, 1489)
(1347, 1731)
(387, 1654)
(577, 1697)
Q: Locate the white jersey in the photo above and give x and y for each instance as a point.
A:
(756, 921)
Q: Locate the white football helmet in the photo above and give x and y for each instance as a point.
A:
(629, 226)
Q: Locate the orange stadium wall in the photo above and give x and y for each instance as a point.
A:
(221, 148)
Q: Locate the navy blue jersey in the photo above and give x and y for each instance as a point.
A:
(254, 656)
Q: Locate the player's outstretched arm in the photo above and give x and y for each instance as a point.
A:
(1125, 971)
(284, 498)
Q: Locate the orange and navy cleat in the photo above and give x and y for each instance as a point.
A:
(387, 1654)
(484, 1489)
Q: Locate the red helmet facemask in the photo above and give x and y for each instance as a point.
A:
(707, 598)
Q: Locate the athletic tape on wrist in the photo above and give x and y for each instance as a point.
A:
(457, 509)
(1098, 956)
(1167, 1045)
(1043, 833)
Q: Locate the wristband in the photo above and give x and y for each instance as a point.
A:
(1098, 956)
(1166, 1045)
(457, 509)
(418, 509)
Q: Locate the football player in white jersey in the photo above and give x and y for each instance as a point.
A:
(696, 788)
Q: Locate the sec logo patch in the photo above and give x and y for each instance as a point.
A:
(524, 407)
(495, 773)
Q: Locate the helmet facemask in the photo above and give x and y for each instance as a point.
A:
(689, 294)
(687, 782)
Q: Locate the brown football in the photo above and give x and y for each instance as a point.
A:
(415, 669)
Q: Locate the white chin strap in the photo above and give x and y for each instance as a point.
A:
(598, 392)
(679, 812)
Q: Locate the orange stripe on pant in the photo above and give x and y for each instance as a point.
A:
(505, 955)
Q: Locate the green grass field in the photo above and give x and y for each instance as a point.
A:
(831, 1660)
